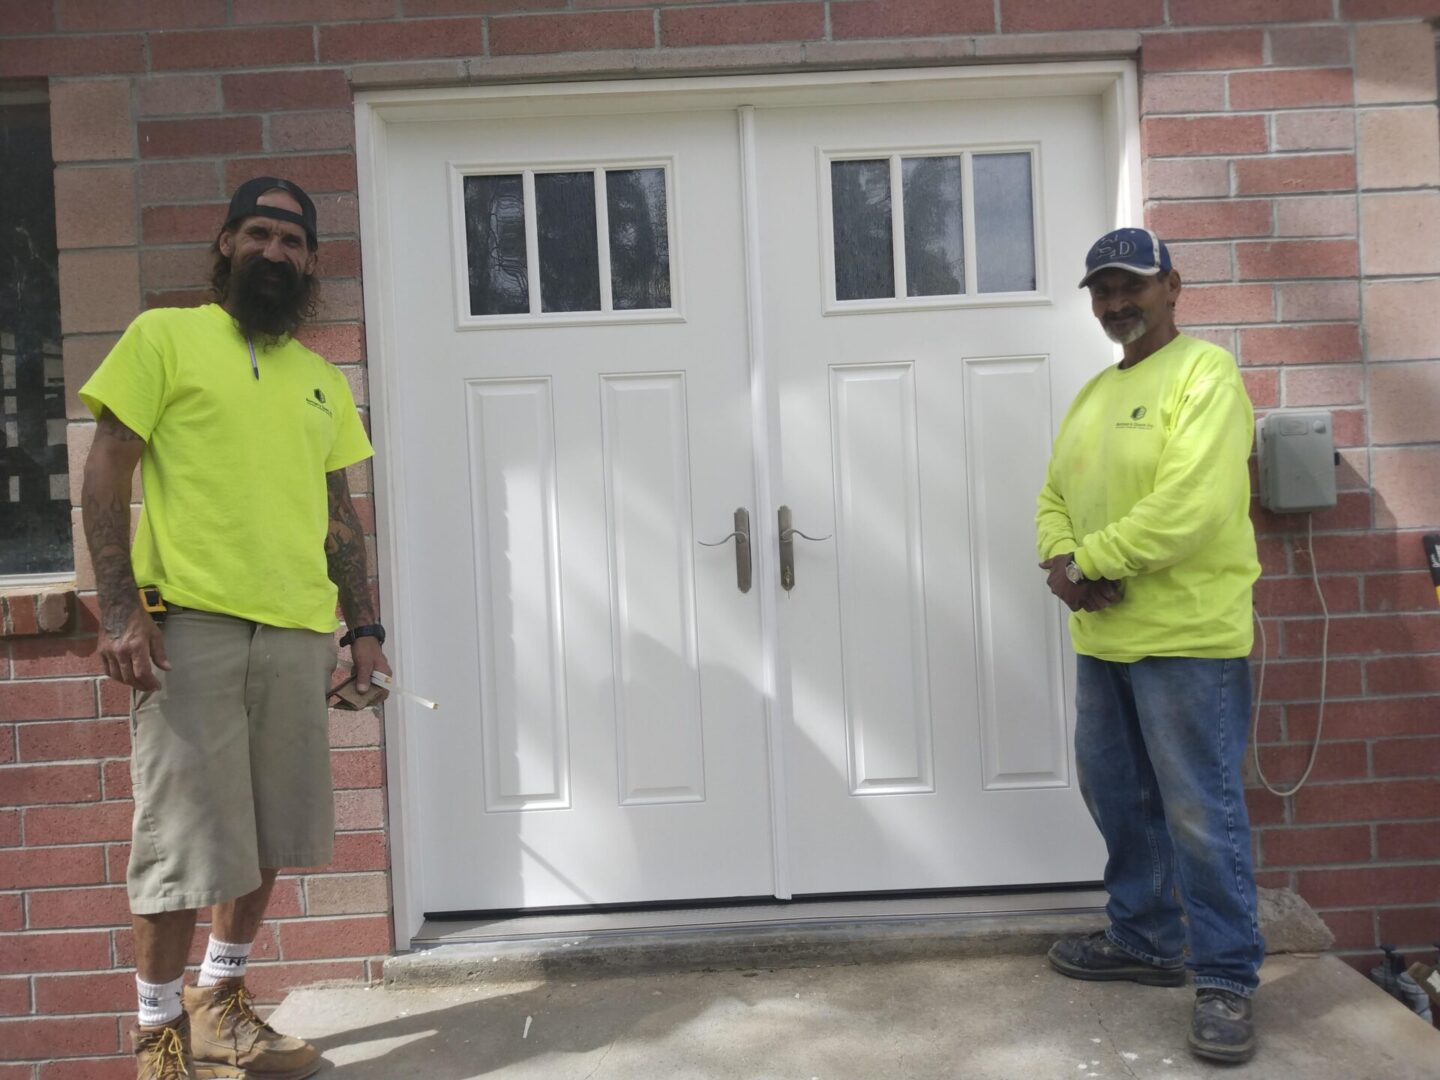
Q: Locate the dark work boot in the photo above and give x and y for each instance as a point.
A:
(1097, 958)
(1222, 1028)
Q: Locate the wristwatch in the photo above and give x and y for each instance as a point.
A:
(1073, 573)
(373, 629)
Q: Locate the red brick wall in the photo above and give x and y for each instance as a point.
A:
(1302, 200)
(1292, 155)
(65, 943)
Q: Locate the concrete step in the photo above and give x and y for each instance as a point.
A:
(976, 1018)
(802, 934)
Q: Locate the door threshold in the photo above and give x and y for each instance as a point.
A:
(806, 933)
(1084, 899)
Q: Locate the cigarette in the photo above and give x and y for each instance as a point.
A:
(385, 682)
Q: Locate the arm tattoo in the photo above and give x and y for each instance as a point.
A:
(112, 428)
(345, 553)
(105, 510)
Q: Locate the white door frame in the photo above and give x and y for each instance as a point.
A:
(1114, 82)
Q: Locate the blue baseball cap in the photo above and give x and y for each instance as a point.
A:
(1138, 250)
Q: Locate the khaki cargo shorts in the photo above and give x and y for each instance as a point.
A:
(230, 761)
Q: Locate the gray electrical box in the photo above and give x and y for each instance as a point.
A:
(1297, 461)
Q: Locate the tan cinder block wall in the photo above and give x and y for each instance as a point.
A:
(1292, 156)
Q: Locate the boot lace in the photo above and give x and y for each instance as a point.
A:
(169, 1054)
(240, 1006)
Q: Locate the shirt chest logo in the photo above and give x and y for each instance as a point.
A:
(1137, 421)
(317, 401)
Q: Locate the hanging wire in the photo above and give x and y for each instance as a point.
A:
(1324, 665)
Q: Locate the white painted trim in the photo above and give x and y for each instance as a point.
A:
(39, 582)
(899, 271)
(540, 320)
(1124, 164)
(970, 249)
(1114, 81)
(390, 509)
(1037, 222)
(765, 436)
(531, 212)
(602, 241)
(825, 230)
(736, 91)
(927, 303)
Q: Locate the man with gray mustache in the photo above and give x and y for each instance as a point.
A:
(1143, 525)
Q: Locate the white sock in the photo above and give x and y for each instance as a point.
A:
(159, 1002)
(223, 960)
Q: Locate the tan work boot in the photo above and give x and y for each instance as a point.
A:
(163, 1053)
(227, 1035)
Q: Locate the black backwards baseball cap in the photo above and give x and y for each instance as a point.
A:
(246, 203)
(1138, 250)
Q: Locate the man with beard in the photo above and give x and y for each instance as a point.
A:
(247, 537)
(1144, 527)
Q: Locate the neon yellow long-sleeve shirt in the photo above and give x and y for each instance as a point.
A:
(1149, 484)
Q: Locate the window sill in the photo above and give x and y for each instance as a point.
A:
(34, 612)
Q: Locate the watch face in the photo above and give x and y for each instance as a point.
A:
(1074, 573)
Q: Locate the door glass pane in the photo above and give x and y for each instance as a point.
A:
(639, 238)
(1004, 223)
(934, 226)
(569, 259)
(864, 244)
(495, 245)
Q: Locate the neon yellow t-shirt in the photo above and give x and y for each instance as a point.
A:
(1149, 484)
(236, 509)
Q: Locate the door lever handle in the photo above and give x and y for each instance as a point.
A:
(785, 534)
(741, 536)
(788, 532)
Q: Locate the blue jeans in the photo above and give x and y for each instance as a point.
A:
(1159, 744)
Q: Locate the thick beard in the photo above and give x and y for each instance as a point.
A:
(1127, 338)
(269, 300)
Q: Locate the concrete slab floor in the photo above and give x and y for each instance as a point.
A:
(999, 1018)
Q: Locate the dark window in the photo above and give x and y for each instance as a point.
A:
(931, 212)
(34, 482)
(569, 236)
(639, 238)
(934, 225)
(495, 245)
(569, 255)
(864, 246)
(1004, 223)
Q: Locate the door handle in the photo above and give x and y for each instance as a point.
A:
(788, 532)
(741, 536)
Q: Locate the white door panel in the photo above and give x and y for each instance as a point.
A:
(602, 733)
(930, 745)
(886, 692)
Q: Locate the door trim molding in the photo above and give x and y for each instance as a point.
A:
(1113, 82)
(684, 94)
(766, 436)
(382, 374)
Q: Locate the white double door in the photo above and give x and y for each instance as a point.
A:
(620, 722)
